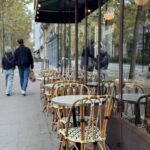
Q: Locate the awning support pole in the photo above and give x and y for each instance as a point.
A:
(76, 39)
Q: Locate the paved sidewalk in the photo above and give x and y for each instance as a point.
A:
(23, 125)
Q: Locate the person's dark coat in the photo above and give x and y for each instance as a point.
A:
(23, 57)
(104, 60)
(89, 59)
(8, 61)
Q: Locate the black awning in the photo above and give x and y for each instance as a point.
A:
(62, 11)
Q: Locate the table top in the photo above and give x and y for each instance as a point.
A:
(48, 86)
(105, 83)
(130, 97)
(66, 100)
(92, 84)
(40, 78)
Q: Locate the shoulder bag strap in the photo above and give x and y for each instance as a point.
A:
(7, 58)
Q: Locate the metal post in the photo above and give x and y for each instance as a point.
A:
(61, 47)
(76, 39)
(99, 45)
(69, 53)
(69, 46)
(143, 48)
(58, 48)
(45, 49)
(64, 61)
(121, 65)
(85, 46)
(121, 52)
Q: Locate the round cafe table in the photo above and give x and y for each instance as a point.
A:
(104, 85)
(132, 98)
(48, 86)
(40, 78)
(66, 100)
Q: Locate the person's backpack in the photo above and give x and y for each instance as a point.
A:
(104, 61)
(10, 61)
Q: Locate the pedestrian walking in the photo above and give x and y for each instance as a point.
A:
(90, 57)
(8, 66)
(104, 61)
(24, 61)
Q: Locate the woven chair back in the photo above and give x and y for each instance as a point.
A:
(93, 113)
(71, 88)
(134, 88)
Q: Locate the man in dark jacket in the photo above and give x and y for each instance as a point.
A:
(24, 60)
(89, 59)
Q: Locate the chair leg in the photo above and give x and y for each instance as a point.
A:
(60, 143)
(59, 117)
(45, 105)
(63, 145)
(67, 144)
(52, 120)
(104, 145)
(82, 146)
(47, 110)
(95, 146)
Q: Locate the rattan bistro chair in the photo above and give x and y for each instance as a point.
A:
(48, 93)
(143, 115)
(92, 130)
(129, 108)
(133, 88)
(62, 89)
(108, 87)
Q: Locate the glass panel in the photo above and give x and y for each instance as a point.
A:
(136, 59)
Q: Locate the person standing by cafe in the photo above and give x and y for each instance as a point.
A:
(104, 62)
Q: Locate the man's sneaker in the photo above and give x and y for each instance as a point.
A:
(23, 93)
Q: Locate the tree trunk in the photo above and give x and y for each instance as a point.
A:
(134, 50)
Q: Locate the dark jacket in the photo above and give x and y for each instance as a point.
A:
(89, 59)
(104, 60)
(8, 61)
(23, 57)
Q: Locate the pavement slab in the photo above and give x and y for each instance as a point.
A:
(23, 125)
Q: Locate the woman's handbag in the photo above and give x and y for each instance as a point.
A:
(32, 76)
